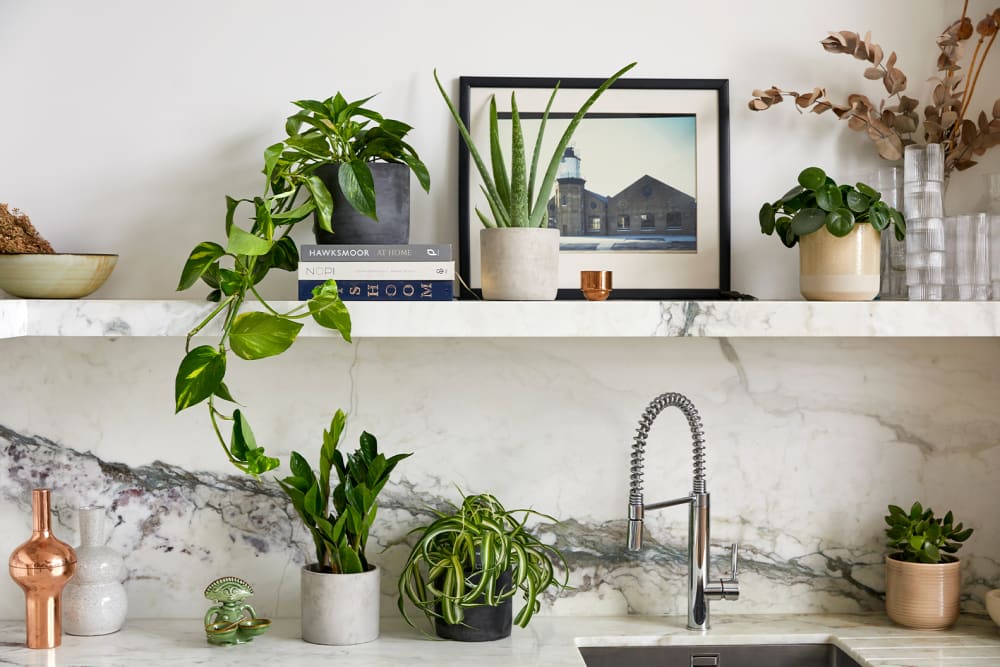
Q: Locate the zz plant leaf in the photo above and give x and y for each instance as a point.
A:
(818, 201)
(917, 536)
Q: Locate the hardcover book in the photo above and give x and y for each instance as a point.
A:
(377, 270)
(385, 290)
(412, 252)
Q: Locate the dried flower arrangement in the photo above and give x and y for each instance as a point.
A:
(892, 123)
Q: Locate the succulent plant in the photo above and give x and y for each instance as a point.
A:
(918, 536)
(817, 201)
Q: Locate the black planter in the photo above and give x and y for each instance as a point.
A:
(481, 624)
(392, 205)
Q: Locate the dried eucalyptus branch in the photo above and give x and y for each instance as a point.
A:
(892, 122)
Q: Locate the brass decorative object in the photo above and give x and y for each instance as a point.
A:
(41, 567)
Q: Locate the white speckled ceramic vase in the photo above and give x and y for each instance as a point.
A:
(94, 601)
(340, 609)
(519, 263)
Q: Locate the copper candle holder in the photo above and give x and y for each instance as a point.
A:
(596, 285)
(41, 567)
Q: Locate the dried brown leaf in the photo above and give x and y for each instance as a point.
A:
(948, 119)
(857, 123)
(861, 50)
(932, 132)
(875, 54)
(938, 95)
(889, 147)
(874, 73)
(891, 62)
(904, 124)
(987, 27)
(821, 107)
(962, 165)
(984, 123)
(996, 109)
(964, 29)
(968, 132)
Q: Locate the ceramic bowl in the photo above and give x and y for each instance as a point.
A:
(55, 276)
(254, 627)
(993, 605)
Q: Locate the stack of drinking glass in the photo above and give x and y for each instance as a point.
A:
(923, 206)
(967, 257)
(888, 181)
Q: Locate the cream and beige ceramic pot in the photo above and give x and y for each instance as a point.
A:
(924, 596)
(840, 269)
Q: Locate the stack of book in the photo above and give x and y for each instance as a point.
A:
(411, 272)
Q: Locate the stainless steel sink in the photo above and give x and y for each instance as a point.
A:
(738, 655)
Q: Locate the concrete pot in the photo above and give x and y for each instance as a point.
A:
(519, 263)
(392, 205)
(840, 269)
(924, 596)
(340, 609)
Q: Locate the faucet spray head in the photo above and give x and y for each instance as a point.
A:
(635, 515)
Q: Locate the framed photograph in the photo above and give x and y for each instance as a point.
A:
(642, 189)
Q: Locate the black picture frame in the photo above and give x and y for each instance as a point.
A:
(469, 223)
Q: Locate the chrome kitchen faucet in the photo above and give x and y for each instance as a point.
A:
(700, 589)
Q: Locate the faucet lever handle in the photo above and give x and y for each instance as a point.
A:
(735, 560)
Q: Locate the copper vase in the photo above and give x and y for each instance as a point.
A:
(41, 567)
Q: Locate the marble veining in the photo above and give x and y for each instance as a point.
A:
(807, 442)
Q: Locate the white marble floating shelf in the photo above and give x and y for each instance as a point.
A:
(553, 319)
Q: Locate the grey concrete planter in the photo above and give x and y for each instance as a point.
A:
(340, 609)
(392, 205)
(519, 263)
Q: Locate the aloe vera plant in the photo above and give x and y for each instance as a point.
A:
(460, 557)
(512, 197)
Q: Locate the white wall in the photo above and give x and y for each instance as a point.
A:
(123, 124)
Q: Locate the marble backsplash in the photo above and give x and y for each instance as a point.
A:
(808, 440)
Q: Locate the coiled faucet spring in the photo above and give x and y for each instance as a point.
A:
(656, 406)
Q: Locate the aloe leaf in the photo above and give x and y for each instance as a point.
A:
(484, 173)
(538, 143)
(518, 178)
(537, 215)
(499, 215)
(489, 224)
(496, 155)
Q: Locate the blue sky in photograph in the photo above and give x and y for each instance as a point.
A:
(615, 152)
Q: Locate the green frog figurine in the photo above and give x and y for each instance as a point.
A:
(232, 621)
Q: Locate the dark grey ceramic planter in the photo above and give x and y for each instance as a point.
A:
(392, 205)
(481, 624)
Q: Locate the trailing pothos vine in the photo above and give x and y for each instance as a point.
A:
(332, 131)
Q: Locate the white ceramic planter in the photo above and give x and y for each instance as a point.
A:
(519, 263)
(840, 269)
(340, 609)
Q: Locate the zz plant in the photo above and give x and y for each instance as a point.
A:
(333, 131)
(512, 197)
(459, 558)
(918, 536)
(817, 201)
(339, 518)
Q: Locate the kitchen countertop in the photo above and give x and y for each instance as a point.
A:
(869, 638)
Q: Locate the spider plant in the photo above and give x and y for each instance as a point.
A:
(512, 197)
(460, 557)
